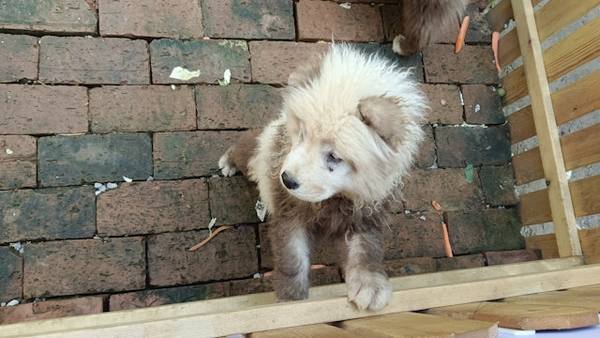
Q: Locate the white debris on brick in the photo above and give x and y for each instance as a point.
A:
(111, 185)
(18, 246)
(183, 74)
(9, 151)
(261, 210)
(12, 302)
(211, 224)
(423, 218)
(346, 5)
(462, 100)
(127, 179)
(256, 275)
(174, 87)
(150, 178)
(477, 108)
(226, 78)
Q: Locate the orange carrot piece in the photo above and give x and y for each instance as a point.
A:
(462, 33)
(447, 246)
(495, 44)
(436, 206)
(213, 235)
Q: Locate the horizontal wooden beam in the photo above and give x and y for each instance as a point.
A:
(193, 319)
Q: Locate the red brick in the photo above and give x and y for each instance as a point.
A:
(484, 230)
(157, 297)
(17, 161)
(320, 20)
(48, 16)
(414, 235)
(151, 18)
(233, 200)
(459, 146)
(271, 19)
(446, 186)
(142, 108)
(236, 106)
(94, 60)
(11, 275)
(231, 254)
(153, 207)
(460, 262)
(51, 309)
(190, 154)
(444, 101)
(210, 57)
(472, 65)
(19, 55)
(273, 61)
(322, 252)
(43, 109)
(84, 266)
(426, 155)
(47, 214)
(510, 257)
(409, 266)
(482, 105)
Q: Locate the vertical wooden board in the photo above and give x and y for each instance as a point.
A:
(528, 166)
(410, 324)
(308, 331)
(545, 243)
(569, 298)
(524, 316)
(535, 207)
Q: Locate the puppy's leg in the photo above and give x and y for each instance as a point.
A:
(405, 45)
(292, 264)
(367, 282)
(237, 156)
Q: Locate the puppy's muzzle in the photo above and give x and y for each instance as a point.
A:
(289, 182)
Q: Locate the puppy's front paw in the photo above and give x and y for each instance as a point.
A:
(227, 167)
(368, 290)
(397, 45)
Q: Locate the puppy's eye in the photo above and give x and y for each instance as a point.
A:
(332, 161)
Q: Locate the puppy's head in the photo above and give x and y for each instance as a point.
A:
(354, 126)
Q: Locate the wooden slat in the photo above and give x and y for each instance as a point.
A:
(290, 314)
(524, 316)
(585, 193)
(501, 13)
(570, 298)
(547, 131)
(574, 50)
(417, 325)
(569, 103)
(549, 19)
(308, 331)
(547, 244)
(579, 149)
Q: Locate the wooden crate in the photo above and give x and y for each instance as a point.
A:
(560, 202)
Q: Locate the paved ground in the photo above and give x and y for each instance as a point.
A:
(86, 97)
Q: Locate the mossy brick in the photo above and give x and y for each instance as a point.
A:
(190, 154)
(163, 296)
(84, 266)
(153, 207)
(43, 109)
(482, 105)
(236, 106)
(151, 18)
(210, 57)
(448, 187)
(320, 20)
(472, 65)
(273, 61)
(498, 185)
(230, 255)
(460, 146)
(460, 262)
(11, 274)
(54, 213)
(48, 16)
(17, 161)
(414, 235)
(270, 19)
(142, 108)
(51, 309)
(19, 55)
(444, 103)
(511, 256)
(79, 60)
(71, 160)
(322, 251)
(485, 230)
(233, 200)
(426, 156)
(409, 266)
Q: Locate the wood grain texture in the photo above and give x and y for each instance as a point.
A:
(589, 299)
(308, 331)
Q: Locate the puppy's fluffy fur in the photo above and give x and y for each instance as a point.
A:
(424, 20)
(325, 168)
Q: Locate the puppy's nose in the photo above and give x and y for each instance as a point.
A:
(288, 181)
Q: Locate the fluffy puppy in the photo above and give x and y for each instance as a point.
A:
(423, 21)
(347, 133)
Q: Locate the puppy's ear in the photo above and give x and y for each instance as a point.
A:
(389, 118)
(305, 72)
